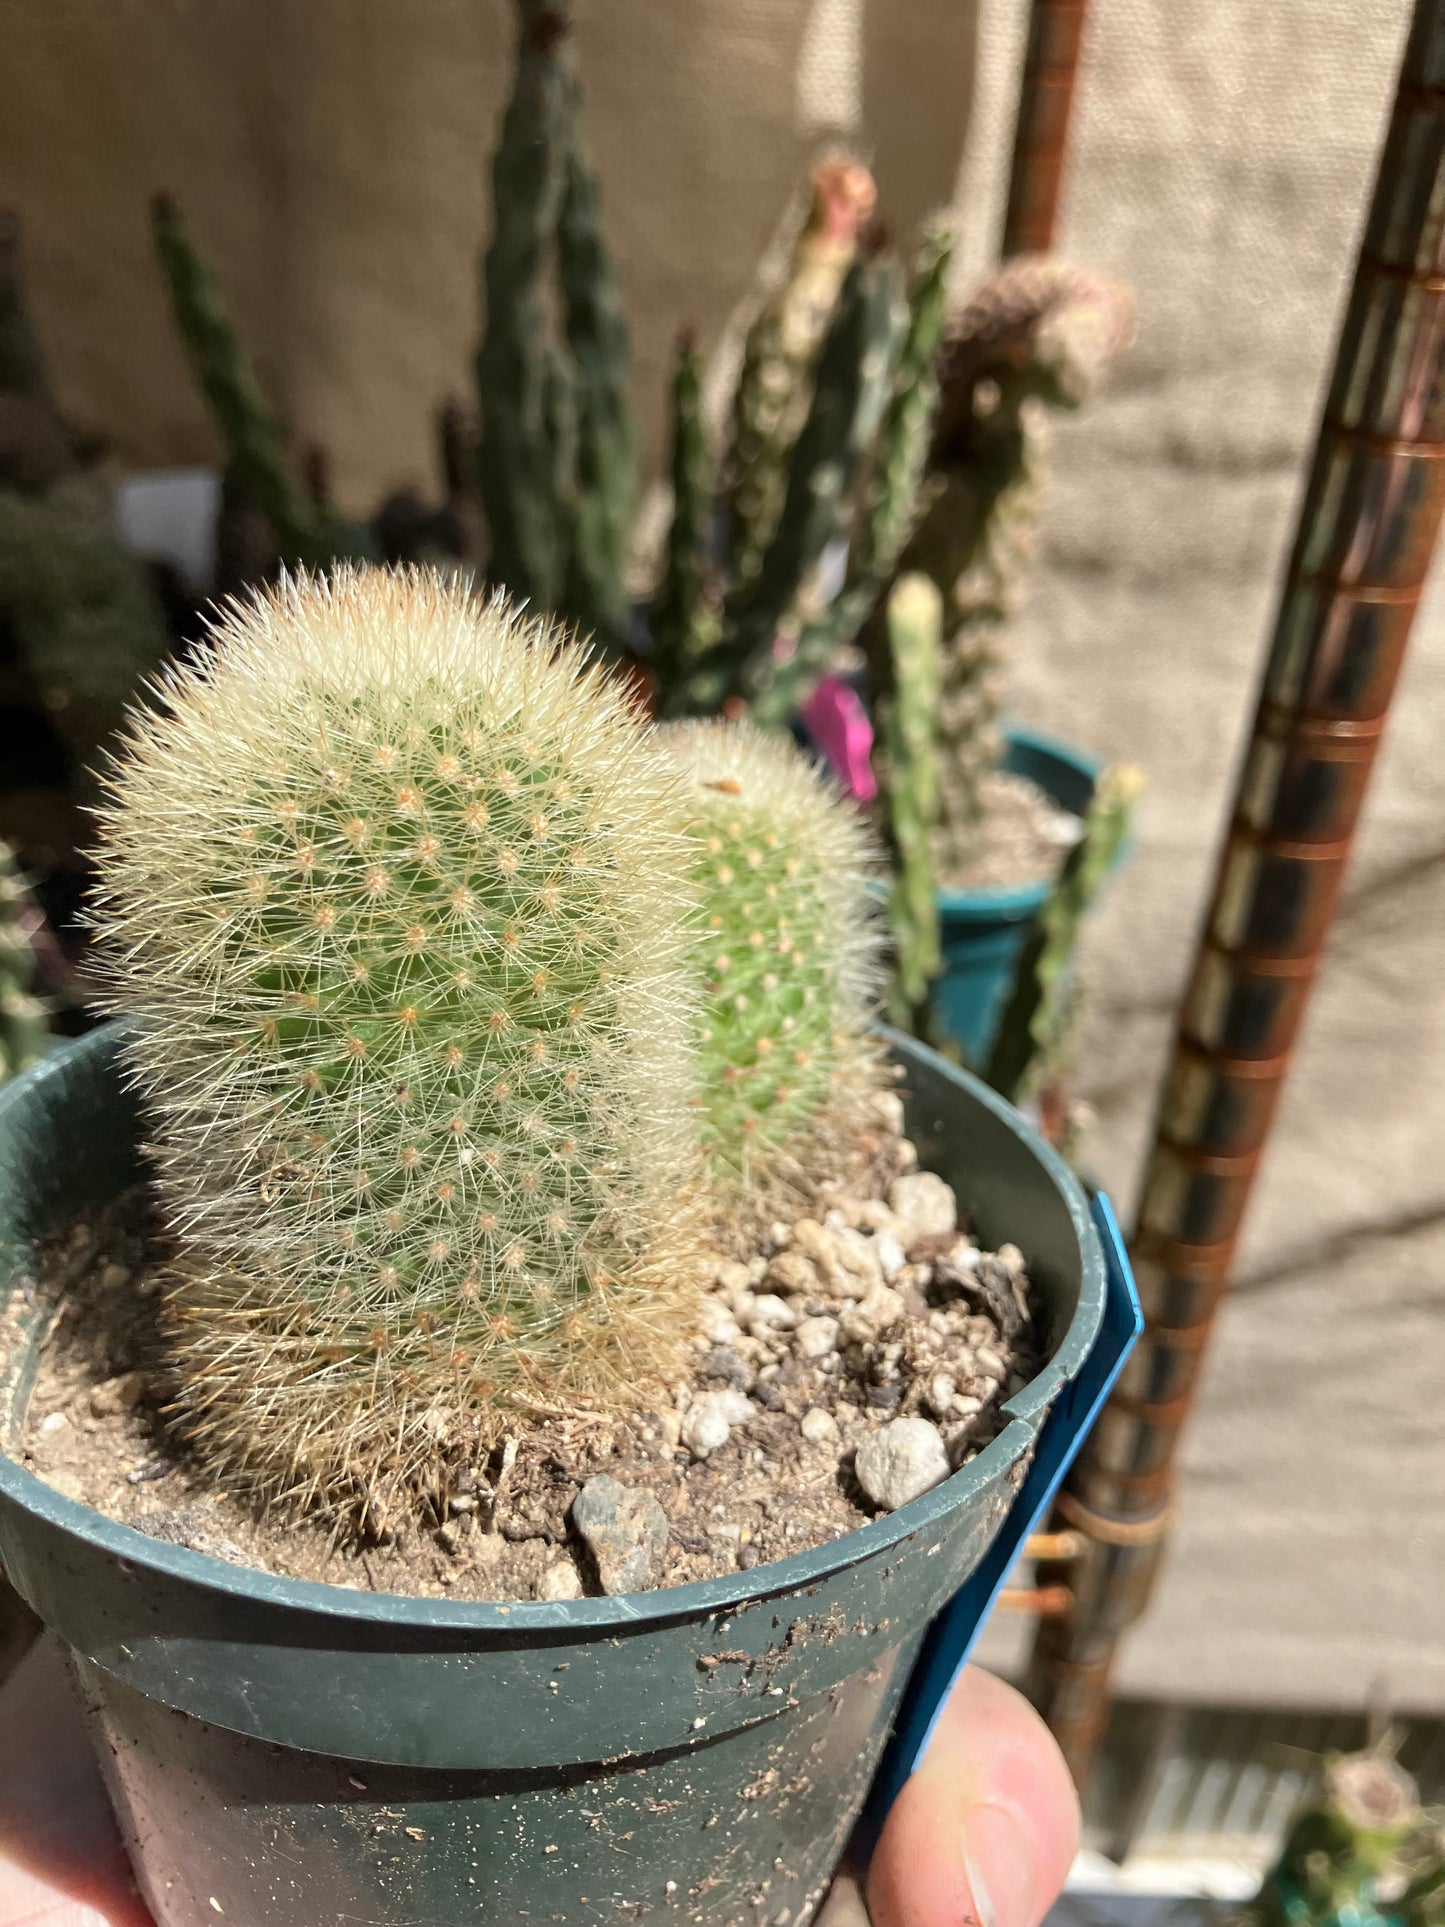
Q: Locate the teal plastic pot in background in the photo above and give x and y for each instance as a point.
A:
(291, 1753)
(983, 931)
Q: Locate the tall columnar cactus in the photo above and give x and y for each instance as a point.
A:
(684, 616)
(1038, 335)
(557, 459)
(763, 618)
(394, 899)
(908, 718)
(258, 457)
(24, 1034)
(1041, 1004)
(515, 368)
(790, 956)
(770, 403)
(600, 347)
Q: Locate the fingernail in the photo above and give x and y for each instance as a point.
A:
(998, 1864)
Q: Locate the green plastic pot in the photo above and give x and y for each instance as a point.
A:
(294, 1753)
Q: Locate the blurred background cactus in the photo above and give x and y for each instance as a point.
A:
(1039, 335)
(81, 623)
(1360, 1854)
(393, 895)
(24, 1029)
(790, 944)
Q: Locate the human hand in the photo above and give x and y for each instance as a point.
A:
(982, 1835)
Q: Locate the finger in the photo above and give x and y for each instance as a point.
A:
(984, 1833)
(61, 1860)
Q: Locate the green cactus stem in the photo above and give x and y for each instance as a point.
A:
(24, 1032)
(893, 486)
(528, 512)
(38, 448)
(684, 615)
(784, 868)
(775, 383)
(763, 621)
(394, 901)
(909, 779)
(606, 463)
(1041, 1006)
(1037, 336)
(258, 458)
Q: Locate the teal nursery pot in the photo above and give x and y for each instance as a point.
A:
(982, 931)
(297, 1754)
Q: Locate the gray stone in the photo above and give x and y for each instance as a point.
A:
(625, 1530)
(901, 1461)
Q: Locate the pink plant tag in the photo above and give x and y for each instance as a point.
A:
(839, 726)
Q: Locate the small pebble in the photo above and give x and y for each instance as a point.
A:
(710, 1420)
(717, 1322)
(113, 1276)
(926, 1205)
(54, 1422)
(819, 1427)
(771, 1313)
(561, 1581)
(625, 1530)
(901, 1461)
(816, 1337)
(941, 1393)
(732, 1276)
(793, 1273)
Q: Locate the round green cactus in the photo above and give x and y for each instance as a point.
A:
(395, 901)
(784, 865)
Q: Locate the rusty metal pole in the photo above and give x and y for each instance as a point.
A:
(1041, 134)
(1367, 529)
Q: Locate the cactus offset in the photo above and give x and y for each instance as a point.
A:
(790, 1071)
(1038, 335)
(258, 457)
(1042, 1004)
(24, 1033)
(908, 719)
(775, 383)
(393, 898)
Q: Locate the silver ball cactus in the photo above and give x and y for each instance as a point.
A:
(394, 899)
(791, 961)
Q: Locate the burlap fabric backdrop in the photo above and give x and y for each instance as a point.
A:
(331, 155)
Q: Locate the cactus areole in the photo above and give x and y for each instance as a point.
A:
(394, 899)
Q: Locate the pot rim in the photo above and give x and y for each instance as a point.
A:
(625, 1612)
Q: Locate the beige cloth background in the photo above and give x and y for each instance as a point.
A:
(331, 154)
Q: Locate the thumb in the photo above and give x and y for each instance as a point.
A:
(984, 1833)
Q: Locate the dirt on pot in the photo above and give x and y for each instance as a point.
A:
(1024, 837)
(858, 1355)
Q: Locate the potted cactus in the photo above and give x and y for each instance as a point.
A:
(493, 1047)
